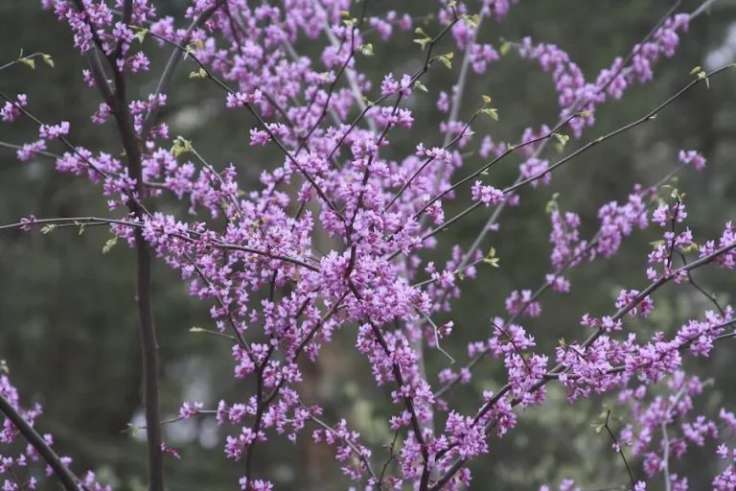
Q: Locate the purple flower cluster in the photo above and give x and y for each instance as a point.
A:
(253, 256)
(21, 466)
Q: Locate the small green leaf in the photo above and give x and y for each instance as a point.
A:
(347, 19)
(472, 20)
(48, 59)
(423, 38)
(422, 42)
(181, 146)
(692, 247)
(47, 229)
(491, 258)
(504, 48)
(367, 49)
(109, 244)
(201, 73)
(562, 140)
(140, 34)
(701, 74)
(704, 76)
(419, 85)
(585, 114)
(491, 112)
(446, 59)
(29, 62)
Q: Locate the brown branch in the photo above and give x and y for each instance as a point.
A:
(174, 59)
(68, 480)
(85, 221)
(149, 345)
(559, 368)
(617, 446)
(651, 115)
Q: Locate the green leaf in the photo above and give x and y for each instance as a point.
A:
(446, 59)
(585, 114)
(347, 19)
(140, 34)
(423, 40)
(48, 59)
(491, 112)
(504, 48)
(692, 247)
(201, 73)
(472, 20)
(419, 85)
(701, 74)
(47, 229)
(181, 146)
(562, 140)
(367, 49)
(491, 258)
(704, 76)
(109, 244)
(29, 62)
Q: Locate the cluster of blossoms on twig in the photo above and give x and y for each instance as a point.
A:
(251, 253)
(21, 466)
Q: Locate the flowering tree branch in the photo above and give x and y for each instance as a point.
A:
(68, 480)
(339, 232)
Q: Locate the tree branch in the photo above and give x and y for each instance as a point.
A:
(62, 472)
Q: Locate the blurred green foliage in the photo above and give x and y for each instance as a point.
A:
(68, 327)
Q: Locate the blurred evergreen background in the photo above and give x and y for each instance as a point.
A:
(67, 320)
